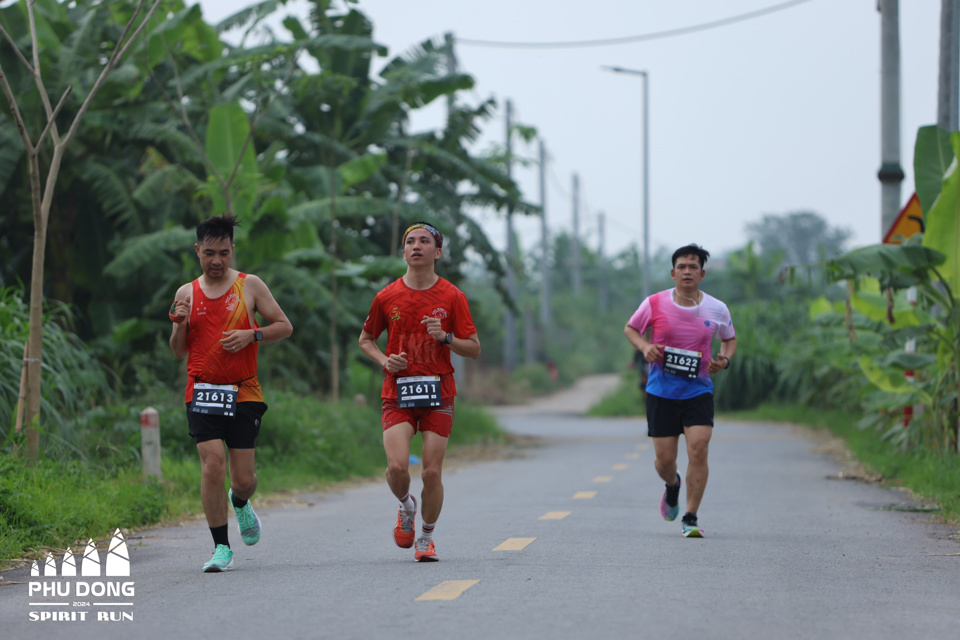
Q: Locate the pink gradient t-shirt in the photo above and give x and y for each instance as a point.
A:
(690, 329)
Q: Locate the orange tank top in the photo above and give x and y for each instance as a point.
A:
(208, 361)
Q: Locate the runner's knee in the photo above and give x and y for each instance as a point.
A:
(244, 485)
(697, 451)
(213, 468)
(397, 468)
(431, 475)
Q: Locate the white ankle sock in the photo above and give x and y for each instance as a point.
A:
(426, 530)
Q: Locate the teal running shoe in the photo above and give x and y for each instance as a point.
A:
(670, 502)
(690, 527)
(247, 522)
(222, 560)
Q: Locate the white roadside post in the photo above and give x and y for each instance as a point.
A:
(150, 443)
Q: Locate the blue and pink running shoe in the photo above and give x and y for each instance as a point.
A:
(670, 502)
(690, 527)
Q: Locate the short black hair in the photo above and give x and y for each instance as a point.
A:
(691, 250)
(217, 228)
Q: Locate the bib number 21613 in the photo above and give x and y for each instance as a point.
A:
(215, 399)
(418, 392)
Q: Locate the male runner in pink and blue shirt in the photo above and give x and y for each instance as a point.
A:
(683, 322)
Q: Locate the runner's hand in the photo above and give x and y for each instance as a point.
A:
(236, 339)
(433, 328)
(653, 352)
(716, 364)
(180, 310)
(396, 362)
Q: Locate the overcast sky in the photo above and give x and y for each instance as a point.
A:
(771, 115)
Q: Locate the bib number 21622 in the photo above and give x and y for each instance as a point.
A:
(681, 362)
(418, 392)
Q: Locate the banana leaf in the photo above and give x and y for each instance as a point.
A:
(943, 222)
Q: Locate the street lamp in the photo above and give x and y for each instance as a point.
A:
(646, 175)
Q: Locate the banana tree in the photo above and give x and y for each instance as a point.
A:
(38, 19)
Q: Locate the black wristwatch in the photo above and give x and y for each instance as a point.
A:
(448, 339)
(726, 366)
(258, 336)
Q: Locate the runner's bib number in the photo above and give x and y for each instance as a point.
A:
(681, 362)
(215, 399)
(416, 392)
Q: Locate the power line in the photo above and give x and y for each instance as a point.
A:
(657, 35)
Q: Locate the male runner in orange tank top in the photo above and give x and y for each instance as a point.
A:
(426, 317)
(214, 324)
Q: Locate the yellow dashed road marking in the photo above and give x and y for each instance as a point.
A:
(554, 515)
(643, 446)
(603, 479)
(621, 466)
(514, 544)
(583, 495)
(447, 590)
(632, 456)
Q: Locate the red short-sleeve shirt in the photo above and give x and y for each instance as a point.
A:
(399, 310)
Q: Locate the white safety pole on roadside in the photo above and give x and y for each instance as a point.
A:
(150, 443)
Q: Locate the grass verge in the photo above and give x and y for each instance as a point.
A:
(305, 444)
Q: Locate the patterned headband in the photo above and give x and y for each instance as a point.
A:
(423, 225)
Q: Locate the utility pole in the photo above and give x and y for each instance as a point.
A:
(575, 240)
(602, 266)
(459, 362)
(948, 109)
(510, 319)
(646, 170)
(545, 311)
(452, 69)
(529, 336)
(890, 173)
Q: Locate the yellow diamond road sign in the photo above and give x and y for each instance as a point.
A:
(908, 223)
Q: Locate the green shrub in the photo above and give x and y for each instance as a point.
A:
(626, 400)
(533, 379)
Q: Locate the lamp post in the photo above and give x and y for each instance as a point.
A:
(646, 174)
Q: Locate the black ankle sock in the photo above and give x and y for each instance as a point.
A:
(220, 535)
(237, 502)
(689, 518)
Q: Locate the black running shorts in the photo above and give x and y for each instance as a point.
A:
(666, 418)
(239, 432)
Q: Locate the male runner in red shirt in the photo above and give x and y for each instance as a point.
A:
(214, 323)
(425, 317)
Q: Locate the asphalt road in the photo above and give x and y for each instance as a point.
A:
(562, 539)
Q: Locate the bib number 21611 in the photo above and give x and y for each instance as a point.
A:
(418, 392)
(215, 399)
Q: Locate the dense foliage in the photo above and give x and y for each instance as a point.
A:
(313, 150)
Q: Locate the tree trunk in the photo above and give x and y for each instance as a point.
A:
(34, 355)
(334, 340)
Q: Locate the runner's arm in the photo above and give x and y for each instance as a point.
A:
(727, 349)
(392, 363)
(468, 347)
(279, 326)
(181, 308)
(651, 352)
